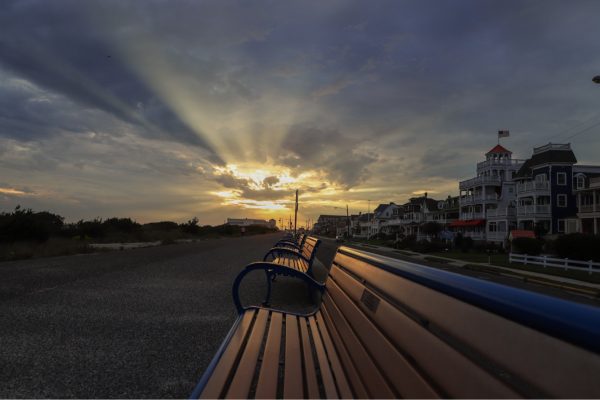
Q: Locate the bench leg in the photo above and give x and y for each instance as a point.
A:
(270, 277)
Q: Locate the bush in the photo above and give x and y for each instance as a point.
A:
(22, 225)
(425, 246)
(529, 246)
(408, 242)
(578, 246)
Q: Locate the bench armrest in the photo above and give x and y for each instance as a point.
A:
(275, 251)
(274, 268)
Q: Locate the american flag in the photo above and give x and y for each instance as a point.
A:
(502, 134)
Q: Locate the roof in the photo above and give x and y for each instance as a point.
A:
(381, 207)
(471, 222)
(550, 156)
(365, 217)
(499, 149)
(521, 233)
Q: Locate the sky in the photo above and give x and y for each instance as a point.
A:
(166, 110)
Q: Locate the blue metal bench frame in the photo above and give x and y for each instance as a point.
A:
(575, 323)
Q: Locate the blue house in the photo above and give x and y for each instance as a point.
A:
(545, 196)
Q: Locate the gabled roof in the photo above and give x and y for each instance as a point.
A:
(498, 149)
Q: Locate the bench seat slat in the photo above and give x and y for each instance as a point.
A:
(292, 375)
(240, 384)
(214, 387)
(342, 382)
(376, 385)
(310, 373)
(456, 374)
(407, 381)
(268, 377)
(326, 373)
(353, 378)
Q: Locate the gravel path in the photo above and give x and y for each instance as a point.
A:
(135, 323)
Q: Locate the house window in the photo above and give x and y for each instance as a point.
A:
(561, 178)
(580, 182)
(561, 200)
(493, 227)
(561, 226)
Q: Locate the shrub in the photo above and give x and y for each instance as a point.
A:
(464, 243)
(529, 246)
(578, 246)
(29, 225)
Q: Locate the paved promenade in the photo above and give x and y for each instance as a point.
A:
(134, 323)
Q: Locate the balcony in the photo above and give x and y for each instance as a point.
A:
(533, 188)
(480, 181)
(474, 215)
(476, 199)
(497, 236)
(499, 163)
(533, 211)
(502, 212)
(588, 208)
(474, 235)
(595, 182)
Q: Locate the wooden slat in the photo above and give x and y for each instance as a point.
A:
(336, 366)
(220, 375)
(240, 385)
(376, 385)
(354, 378)
(505, 342)
(267, 378)
(310, 373)
(408, 382)
(456, 374)
(326, 375)
(292, 373)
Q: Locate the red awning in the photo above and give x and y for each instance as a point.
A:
(520, 233)
(471, 222)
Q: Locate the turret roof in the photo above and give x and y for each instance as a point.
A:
(498, 149)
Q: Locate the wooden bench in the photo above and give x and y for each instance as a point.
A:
(387, 328)
(297, 243)
(301, 260)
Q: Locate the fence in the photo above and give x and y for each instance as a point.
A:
(563, 263)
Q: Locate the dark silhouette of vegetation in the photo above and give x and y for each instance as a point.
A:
(431, 228)
(25, 233)
(529, 246)
(578, 246)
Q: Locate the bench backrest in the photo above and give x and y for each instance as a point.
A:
(309, 250)
(406, 330)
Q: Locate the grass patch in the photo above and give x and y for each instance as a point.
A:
(495, 259)
(50, 248)
(502, 261)
(579, 275)
(437, 260)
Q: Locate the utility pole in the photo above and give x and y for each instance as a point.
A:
(348, 222)
(296, 213)
(369, 219)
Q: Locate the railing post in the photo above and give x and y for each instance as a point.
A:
(566, 264)
(590, 263)
(525, 259)
(545, 261)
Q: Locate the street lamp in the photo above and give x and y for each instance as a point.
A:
(596, 79)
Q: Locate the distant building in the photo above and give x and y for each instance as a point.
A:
(330, 224)
(247, 222)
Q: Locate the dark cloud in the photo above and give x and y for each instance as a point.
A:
(339, 156)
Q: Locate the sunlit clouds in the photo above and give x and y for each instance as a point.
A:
(169, 110)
